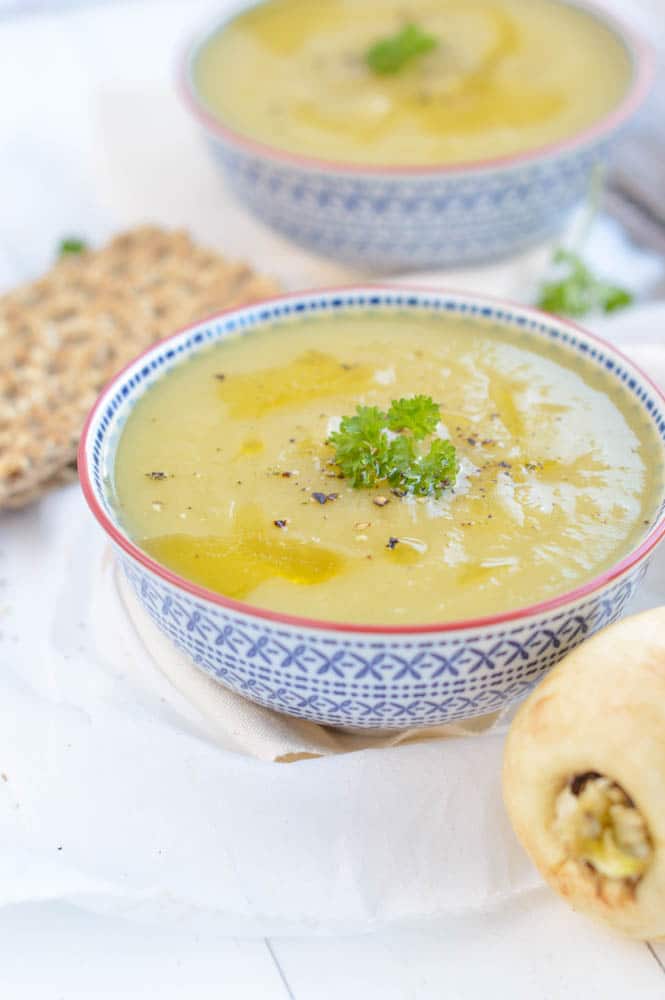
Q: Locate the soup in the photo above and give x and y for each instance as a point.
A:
(467, 80)
(225, 471)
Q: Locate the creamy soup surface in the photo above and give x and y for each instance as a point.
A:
(556, 478)
(504, 76)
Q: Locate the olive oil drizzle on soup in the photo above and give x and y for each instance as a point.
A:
(223, 474)
(504, 76)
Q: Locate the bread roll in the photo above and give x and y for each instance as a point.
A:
(584, 776)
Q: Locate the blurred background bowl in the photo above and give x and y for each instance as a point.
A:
(396, 219)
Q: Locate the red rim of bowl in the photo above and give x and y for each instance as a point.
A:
(642, 59)
(252, 611)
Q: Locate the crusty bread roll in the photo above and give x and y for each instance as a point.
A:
(584, 776)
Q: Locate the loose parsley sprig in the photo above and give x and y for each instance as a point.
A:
(389, 55)
(71, 245)
(579, 291)
(373, 446)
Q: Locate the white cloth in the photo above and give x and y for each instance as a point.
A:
(121, 795)
(121, 792)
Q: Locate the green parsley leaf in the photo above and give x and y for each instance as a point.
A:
(360, 446)
(391, 54)
(437, 469)
(579, 292)
(70, 245)
(368, 450)
(420, 415)
(617, 298)
(401, 457)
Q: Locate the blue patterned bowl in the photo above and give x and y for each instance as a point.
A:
(349, 675)
(392, 219)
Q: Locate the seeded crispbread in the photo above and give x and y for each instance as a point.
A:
(68, 474)
(64, 336)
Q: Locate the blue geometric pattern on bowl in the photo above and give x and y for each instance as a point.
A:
(391, 683)
(360, 677)
(398, 223)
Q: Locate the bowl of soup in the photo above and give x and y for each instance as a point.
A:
(393, 138)
(379, 507)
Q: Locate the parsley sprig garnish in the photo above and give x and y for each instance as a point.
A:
(391, 54)
(367, 453)
(579, 291)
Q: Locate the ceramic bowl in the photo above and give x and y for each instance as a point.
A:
(343, 674)
(393, 219)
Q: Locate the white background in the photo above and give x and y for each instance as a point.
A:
(68, 164)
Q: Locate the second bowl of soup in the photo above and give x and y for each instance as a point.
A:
(451, 133)
(375, 507)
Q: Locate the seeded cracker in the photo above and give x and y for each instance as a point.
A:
(64, 336)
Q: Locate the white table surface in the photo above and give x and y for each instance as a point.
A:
(60, 173)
